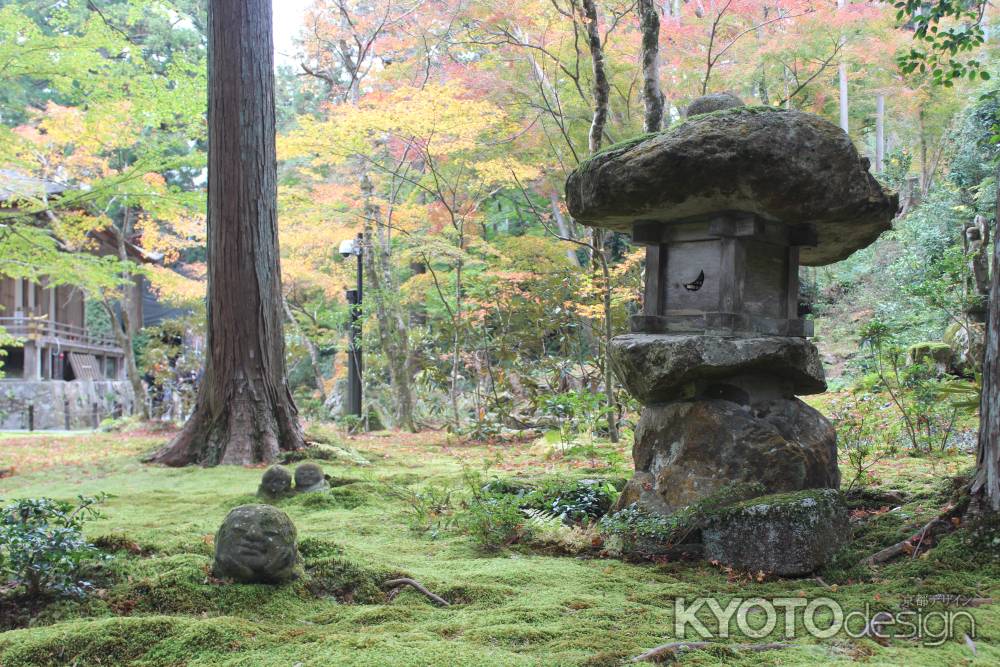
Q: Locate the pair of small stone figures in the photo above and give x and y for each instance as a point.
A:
(277, 481)
(258, 543)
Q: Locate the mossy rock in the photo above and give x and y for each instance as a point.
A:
(257, 544)
(321, 451)
(933, 354)
(788, 534)
(967, 345)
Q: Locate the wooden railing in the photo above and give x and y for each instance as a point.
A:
(37, 327)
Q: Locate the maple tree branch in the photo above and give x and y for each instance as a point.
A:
(104, 19)
(837, 46)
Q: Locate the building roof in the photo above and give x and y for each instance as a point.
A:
(18, 185)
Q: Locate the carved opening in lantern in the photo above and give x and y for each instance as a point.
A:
(729, 273)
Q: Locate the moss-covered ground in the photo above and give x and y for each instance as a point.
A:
(156, 602)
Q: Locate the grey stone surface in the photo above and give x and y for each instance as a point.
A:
(967, 345)
(659, 367)
(55, 400)
(787, 535)
(789, 166)
(713, 102)
(275, 483)
(309, 477)
(257, 544)
(686, 451)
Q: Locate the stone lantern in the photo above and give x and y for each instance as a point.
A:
(729, 204)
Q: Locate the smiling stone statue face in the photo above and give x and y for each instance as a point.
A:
(256, 544)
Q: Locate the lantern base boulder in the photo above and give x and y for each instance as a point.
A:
(686, 451)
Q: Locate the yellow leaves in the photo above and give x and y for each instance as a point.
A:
(185, 230)
(173, 288)
(441, 125)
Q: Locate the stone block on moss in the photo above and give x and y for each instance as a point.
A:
(788, 535)
(687, 451)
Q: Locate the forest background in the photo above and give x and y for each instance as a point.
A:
(442, 132)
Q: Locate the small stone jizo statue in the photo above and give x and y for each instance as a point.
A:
(276, 483)
(309, 477)
(256, 544)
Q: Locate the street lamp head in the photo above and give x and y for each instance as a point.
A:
(349, 247)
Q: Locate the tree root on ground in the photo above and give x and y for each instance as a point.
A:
(397, 585)
(943, 523)
(673, 650)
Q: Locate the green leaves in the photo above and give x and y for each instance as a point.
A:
(944, 42)
(42, 545)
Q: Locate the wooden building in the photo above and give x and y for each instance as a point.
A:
(55, 343)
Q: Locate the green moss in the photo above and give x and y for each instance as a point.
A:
(347, 497)
(155, 640)
(513, 608)
(183, 584)
(313, 548)
(325, 452)
(476, 594)
(790, 504)
(752, 109)
(346, 580)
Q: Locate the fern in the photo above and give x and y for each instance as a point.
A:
(549, 529)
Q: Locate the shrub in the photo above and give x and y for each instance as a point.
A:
(574, 501)
(427, 511)
(927, 419)
(493, 520)
(42, 546)
(862, 438)
(633, 524)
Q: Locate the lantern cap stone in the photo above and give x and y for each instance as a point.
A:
(712, 102)
(782, 165)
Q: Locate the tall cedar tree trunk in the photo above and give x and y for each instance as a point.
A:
(393, 337)
(649, 55)
(244, 412)
(986, 485)
(602, 90)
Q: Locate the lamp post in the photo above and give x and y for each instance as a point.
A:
(355, 363)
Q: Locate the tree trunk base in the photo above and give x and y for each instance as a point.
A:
(246, 431)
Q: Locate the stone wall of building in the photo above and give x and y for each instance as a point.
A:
(56, 405)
